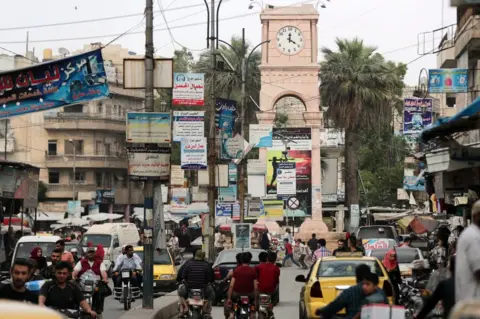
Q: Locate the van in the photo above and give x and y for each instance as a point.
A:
(112, 236)
(26, 244)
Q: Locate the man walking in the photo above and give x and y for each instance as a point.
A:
(303, 253)
(313, 243)
(289, 253)
(322, 251)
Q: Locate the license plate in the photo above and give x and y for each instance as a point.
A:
(125, 274)
(194, 302)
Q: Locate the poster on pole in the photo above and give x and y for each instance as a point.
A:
(72, 80)
(194, 153)
(225, 116)
(148, 127)
(241, 235)
(188, 89)
(417, 114)
(286, 179)
(177, 176)
(354, 217)
(229, 194)
(149, 163)
(261, 135)
(188, 124)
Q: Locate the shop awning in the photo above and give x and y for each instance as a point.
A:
(465, 120)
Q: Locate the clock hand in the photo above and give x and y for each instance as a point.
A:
(289, 37)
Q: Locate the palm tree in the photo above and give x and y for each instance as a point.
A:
(360, 88)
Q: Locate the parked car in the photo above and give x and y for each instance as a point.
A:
(377, 231)
(408, 259)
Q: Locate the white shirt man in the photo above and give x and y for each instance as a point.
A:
(467, 270)
(219, 240)
(173, 242)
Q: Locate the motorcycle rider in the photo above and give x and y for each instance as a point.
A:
(66, 255)
(128, 262)
(16, 290)
(197, 274)
(49, 271)
(63, 294)
(268, 275)
(244, 282)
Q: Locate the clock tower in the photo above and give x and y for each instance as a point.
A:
(289, 85)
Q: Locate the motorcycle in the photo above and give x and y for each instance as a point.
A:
(265, 310)
(73, 313)
(90, 288)
(127, 293)
(410, 298)
(195, 302)
(242, 309)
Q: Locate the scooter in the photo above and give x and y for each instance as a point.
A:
(195, 301)
(126, 293)
(265, 310)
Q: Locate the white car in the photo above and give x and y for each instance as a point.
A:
(408, 259)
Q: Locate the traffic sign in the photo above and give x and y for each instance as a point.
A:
(293, 203)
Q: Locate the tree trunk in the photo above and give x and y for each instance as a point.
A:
(352, 148)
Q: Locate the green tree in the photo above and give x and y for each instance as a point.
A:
(42, 191)
(361, 88)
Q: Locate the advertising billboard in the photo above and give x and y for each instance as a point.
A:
(448, 80)
(417, 114)
(148, 127)
(188, 89)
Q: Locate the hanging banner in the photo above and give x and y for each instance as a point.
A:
(188, 89)
(152, 162)
(286, 178)
(76, 79)
(241, 235)
(74, 208)
(417, 114)
(229, 194)
(302, 137)
(105, 196)
(448, 80)
(188, 124)
(225, 115)
(194, 153)
(148, 127)
(177, 176)
(261, 135)
(233, 147)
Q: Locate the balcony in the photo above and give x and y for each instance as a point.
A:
(66, 191)
(446, 57)
(468, 32)
(87, 161)
(84, 121)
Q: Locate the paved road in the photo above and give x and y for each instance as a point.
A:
(289, 295)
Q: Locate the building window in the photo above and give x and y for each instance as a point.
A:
(79, 177)
(100, 109)
(52, 147)
(77, 108)
(53, 177)
(98, 147)
(107, 149)
(108, 181)
(78, 147)
(342, 169)
(99, 179)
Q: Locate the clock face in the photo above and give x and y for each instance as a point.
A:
(290, 40)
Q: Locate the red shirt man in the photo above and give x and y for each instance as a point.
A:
(244, 279)
(288, 248)
(268, 275)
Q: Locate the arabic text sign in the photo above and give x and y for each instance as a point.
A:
(76, 79)
(223, 209)
(302, 137)
(261, 135)
(151, 163)
(229, 194)
(148, 127)
(188, 89)
(225, 115)
(194, 153)
(286, 179)
(448, 80)
(188, 124)
(417, 114)
(177, 176)
(233, 147)
(378, 243)
(241, 233)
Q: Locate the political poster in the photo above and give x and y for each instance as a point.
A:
(225, 116)
(417, 114)
(286, 179)
(188, 89)
(194, 153)
(448, 80)
(302, 136)
(261, 135)
(148, 127)
(149, 163)
(188, 124)
(76, 79)
(241, 235)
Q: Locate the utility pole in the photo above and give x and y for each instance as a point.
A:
(147, 301)
(212, 145)
(241, 165)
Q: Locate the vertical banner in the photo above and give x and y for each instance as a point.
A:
(354, 217)
(188, 124)
(261, 135)
(76, 79)
(417, 114)
(225, 116)
(188, 89)
(301, 155)
(177, 175)
(194, 153)
(229, 194)
(148, 127)
(241, 235)
(74, 208)
(448, 80)
(286, 179)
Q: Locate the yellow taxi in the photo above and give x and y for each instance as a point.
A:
(164, 270)
(20, 310)
(330, 276)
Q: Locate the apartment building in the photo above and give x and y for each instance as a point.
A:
(90, 137)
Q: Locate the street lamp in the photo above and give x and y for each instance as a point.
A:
(255, 2)
(74, 160)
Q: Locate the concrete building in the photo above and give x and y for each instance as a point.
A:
(89, 136)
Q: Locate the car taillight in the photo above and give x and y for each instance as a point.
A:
(387, 288)
(316, 291)
(218, 274)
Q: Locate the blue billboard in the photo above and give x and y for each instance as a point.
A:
(76, 79)
(448, 80)
(417, 114)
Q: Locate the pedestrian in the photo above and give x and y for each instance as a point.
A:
(340, 248)
(303, 253)
(390, 262)
(265, 241)
(313, 243)
(445, 292)
(322, 251)
(289, 253)
(467, 270)
(288, 235)
(438, 255)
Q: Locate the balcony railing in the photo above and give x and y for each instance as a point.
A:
(87, 161)
(69, 188)
(88, 116)
(84, 121)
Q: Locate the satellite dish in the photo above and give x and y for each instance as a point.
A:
(63, 51)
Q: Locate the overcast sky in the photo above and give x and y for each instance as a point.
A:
(388, 24)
